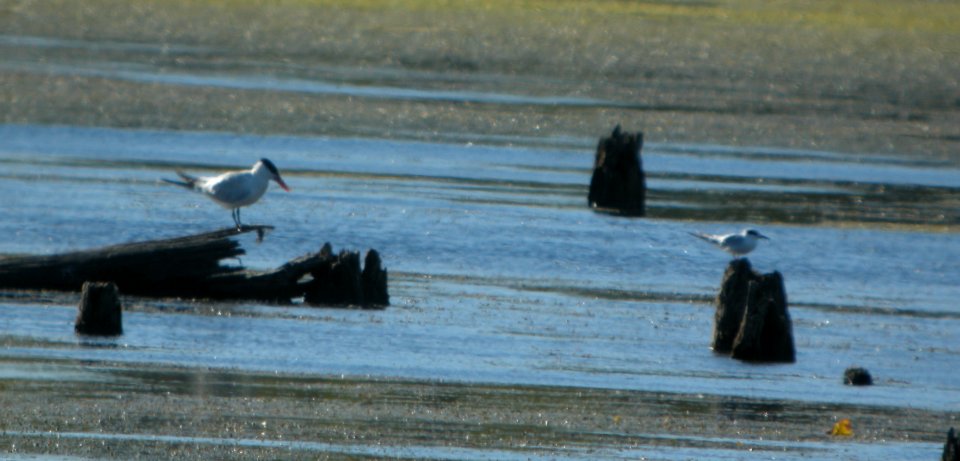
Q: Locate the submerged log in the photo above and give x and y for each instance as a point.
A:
(618, 183)
(184, 267)
(752, 322)
(100, 312)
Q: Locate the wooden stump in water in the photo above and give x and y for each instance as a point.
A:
(766, 333)
(856, 376)
(618, 183)
(100, 312)
(340, 281)
(731, 302)
(374, 281)
(752, 322)
(951, 449)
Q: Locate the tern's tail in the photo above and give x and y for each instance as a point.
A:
(704, 237)
(190, 182)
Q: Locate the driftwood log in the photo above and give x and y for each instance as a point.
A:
(752, 322)
(100, 311)
(618, 183)
(190, 267)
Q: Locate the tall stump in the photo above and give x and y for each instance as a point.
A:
(752, 322)
(100, 312)
(618, 182)
(951, 449)
(373, 281)
(731, 302)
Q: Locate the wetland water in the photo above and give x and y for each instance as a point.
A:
(500, 274)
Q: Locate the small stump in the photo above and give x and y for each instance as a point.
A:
(856, 376)
(618, 183)
(752, 322)
(373, 281)
(340, 282)
(100, 312)
(951, 449)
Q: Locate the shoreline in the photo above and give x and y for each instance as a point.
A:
(304, 415)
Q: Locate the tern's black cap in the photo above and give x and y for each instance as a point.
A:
(270, 166)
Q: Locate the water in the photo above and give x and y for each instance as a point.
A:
(500, 274)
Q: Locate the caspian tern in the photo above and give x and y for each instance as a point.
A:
(735, 244)
(234, 189)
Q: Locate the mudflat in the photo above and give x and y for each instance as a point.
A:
(852, 76)
(137, 412)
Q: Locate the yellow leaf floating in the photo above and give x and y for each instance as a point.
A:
(843, 428)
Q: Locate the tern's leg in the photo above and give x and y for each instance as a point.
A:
(236, 217)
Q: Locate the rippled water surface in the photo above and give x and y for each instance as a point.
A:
(498, 270)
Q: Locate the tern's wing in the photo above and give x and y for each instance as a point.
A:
(733, 241)
(234, 189)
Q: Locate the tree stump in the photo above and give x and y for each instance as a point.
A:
(100, 312)
(766, 333)
(752, 322)
(951, 449)
(340, 282)
(618, 183)
(731, 302)
(374, 281)
(856, 376)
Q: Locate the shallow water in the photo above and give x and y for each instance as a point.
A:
(500, 273)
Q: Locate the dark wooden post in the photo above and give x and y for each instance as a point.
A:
(100, 312)
(618, 182)
(951, 449)
(731, 301)
(766, 333)
(374, 281)
(752, 321)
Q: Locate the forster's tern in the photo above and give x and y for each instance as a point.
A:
(736, 244)
(234, 189)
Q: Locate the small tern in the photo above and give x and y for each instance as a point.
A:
(234, 189)
(736, 244)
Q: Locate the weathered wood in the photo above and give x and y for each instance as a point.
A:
(731, 301)
(374, 281)
(951, 449)
(136, 268)
(340, 281)
(100, 312)
(857, 376)
(766, 333)
(190, 267)
(751, 321)
(618, 183)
